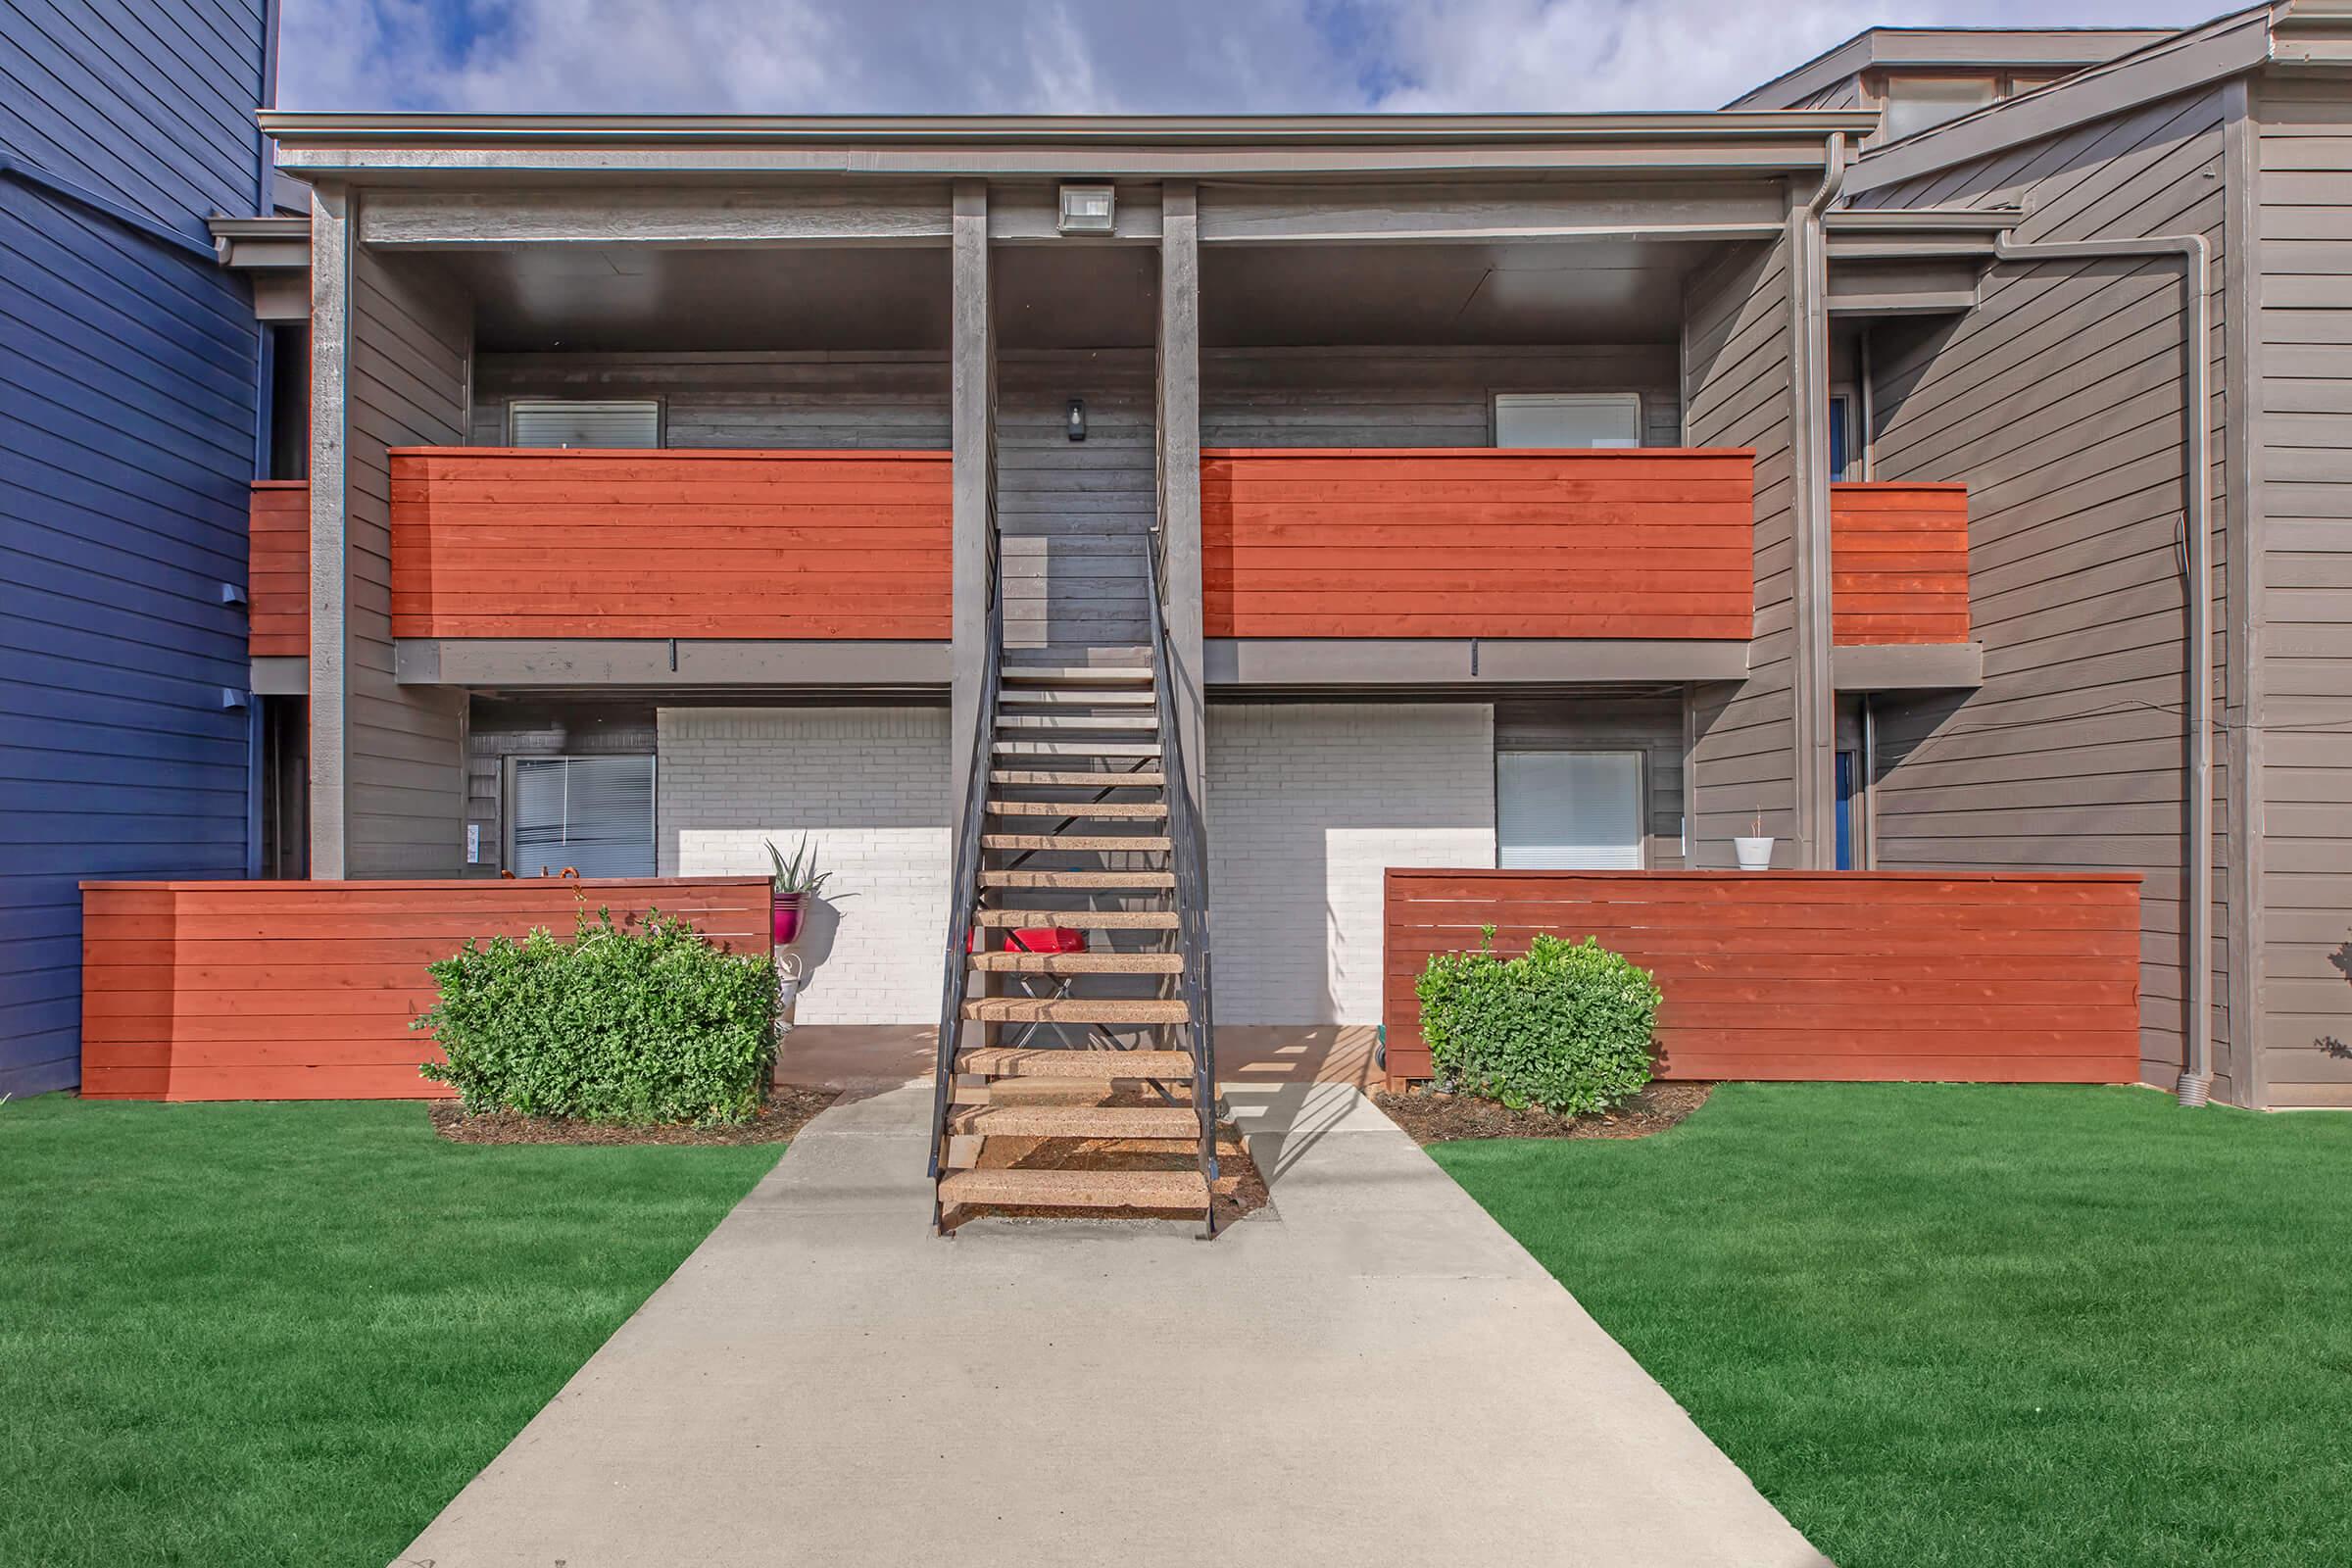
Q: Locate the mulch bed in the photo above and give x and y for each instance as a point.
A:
(786, 1112)
(1429, 1117)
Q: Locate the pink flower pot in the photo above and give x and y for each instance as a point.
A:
(785, 919)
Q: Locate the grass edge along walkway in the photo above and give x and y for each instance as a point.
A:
(263, 1333)
(1981, 1325)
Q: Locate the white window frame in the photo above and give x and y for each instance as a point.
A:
(508, 795)
(1640, 757)
(659, 405)
(1498, 401)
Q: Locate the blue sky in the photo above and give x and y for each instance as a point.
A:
(1077, 56)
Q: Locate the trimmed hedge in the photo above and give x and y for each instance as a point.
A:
(640, 1024)
(1568, 1027)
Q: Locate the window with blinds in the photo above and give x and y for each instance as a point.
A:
(1567, 418)
(1568, 811)
(592, 813)
(565, 423)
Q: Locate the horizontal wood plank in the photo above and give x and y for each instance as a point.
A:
(754, 545)
(278, 573)
(307, 989)
(2013, 977)
(1478, 542)
(1898, 563)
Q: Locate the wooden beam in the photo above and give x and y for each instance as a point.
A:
(1260, 214)
(1179, 436)
(972, 399)
(330, 359)
(717, 216)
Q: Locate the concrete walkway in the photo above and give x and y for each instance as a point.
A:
(1370, 1373)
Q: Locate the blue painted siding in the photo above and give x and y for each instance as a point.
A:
(128, 374)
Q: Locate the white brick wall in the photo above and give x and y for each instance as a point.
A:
(1307, 804)
(869, 787)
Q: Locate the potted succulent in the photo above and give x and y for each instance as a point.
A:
(1755, 846)
(795, 881)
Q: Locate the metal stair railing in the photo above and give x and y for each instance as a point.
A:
(963, 890)
(1190, 863)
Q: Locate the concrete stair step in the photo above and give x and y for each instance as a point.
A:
(1139, 842)
(1077, 879)
(1089, 1066)
(1076, 1121)
(1077, 1188)
(1080, 779)
(1079, 962)
(1103, 810)
(1081, 919)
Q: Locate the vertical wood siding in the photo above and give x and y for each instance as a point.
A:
(1898, 563)
(1737, 383)
(1840, 975)
(500, 542)
(1470, 542)
(305, 990)
(2304, 717)
(277, 582)
(2057, 401)
(127, 370)
(411, 339)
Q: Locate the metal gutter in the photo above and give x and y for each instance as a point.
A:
(2190, 250)
(251, 244)
(307, 129)
(1816, 705)
(40, 179)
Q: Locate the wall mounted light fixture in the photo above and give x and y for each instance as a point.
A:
(1086, 210)
(1077, 424)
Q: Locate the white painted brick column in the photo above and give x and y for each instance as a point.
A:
(1309, 804)
(870, 787)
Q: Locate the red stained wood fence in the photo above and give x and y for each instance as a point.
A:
(278, 570)
(505, 542)
(304, 990)
(1478, 542)
(1829, 975)
(1898, 563)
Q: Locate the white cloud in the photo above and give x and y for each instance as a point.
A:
(1080, 56)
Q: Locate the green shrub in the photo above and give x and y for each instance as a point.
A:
(1568, 1027)
(649, 1023)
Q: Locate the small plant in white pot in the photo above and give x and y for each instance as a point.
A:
(795, 881)
(1755, 846)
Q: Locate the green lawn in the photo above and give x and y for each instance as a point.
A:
(1976, 1325)
(288, 1333)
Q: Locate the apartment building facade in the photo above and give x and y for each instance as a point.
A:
(135, 380)
(1576, 491)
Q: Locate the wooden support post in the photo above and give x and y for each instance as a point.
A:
(1179, 434)
(331, 356)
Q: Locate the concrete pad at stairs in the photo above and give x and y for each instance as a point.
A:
(1371, 1372)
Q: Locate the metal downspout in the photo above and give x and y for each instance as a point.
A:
(1816, 706)
(2196, 1078)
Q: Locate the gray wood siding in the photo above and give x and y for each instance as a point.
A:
(2304, 713)
(1073, 516)
(2058, 402)
(789, 401)
(1416, 397)
(403, 747)
(1737, 392)
(1652, 726)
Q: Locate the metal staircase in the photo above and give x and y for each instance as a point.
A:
(1078, 816)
